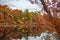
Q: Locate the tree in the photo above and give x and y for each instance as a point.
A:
(50, 6)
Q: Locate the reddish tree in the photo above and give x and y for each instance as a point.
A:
(51, 7)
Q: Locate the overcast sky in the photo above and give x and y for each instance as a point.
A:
(20, 4)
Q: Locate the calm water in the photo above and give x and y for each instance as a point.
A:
(43, 36)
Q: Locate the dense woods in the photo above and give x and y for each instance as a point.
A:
(16, 23)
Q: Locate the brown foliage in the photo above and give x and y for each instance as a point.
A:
(29, 25)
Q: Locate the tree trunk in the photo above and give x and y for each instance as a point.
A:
(46, 9)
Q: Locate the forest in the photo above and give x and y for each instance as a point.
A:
(17, 24)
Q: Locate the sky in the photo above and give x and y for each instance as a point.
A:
(20, 4)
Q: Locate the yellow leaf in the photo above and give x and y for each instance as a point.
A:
(23, 18)
(23, 30)
(20, 21)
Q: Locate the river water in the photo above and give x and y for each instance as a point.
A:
(44, 36)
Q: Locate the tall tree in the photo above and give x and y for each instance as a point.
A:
(50, 6)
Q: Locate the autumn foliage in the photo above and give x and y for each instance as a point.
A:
(16, 24)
